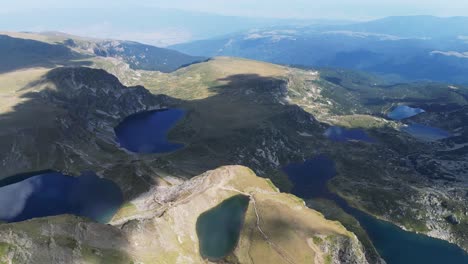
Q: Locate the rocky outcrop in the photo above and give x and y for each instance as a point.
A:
(137, 55)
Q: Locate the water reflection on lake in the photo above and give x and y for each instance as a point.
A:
(341, 134)
(402, 111)
(52, 193)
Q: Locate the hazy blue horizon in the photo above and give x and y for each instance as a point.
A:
(297, 9)
(157, 26)
(164, 23)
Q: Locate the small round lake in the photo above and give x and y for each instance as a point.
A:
(50, 193)
(395, 245)
(402, 111)
(426, 133)
(146, 132)
(218, 229)
(341, 134)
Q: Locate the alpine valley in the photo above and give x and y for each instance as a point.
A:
(159, 151)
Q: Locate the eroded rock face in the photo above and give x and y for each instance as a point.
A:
(160, 227)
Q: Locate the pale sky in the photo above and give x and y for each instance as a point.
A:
(332, 9)
(151, 21)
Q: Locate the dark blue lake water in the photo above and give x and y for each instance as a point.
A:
(218, 229)
(310, 177)
(341, 134)
(52, 193)
(402, 111)
(146, 132)
(395, 245)
(426, 133)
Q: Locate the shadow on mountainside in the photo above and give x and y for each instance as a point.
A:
(17, 53)
(64, 122)
(248, 122)
(68, 127)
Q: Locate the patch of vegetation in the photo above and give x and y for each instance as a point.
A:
(360, 121)
(127, 209)
(66, 241)
(270, 183)
(4, 249)
(317, 240)
(279, 180)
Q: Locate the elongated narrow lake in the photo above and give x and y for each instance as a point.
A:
(341, 134)
(395, 245)
(50, 193)
(218, 229)
(402, 112)
(146, 132)
(426, 133)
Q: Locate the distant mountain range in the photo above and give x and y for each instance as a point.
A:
(21, 50)
(413, 26)
(403, 48)
(155, 26)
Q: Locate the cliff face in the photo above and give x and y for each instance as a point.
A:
(160, 227)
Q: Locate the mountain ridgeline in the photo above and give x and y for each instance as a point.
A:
(61, 49)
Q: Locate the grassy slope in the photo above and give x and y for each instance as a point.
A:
(12, 83)
(342, 98)
(242, 113)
